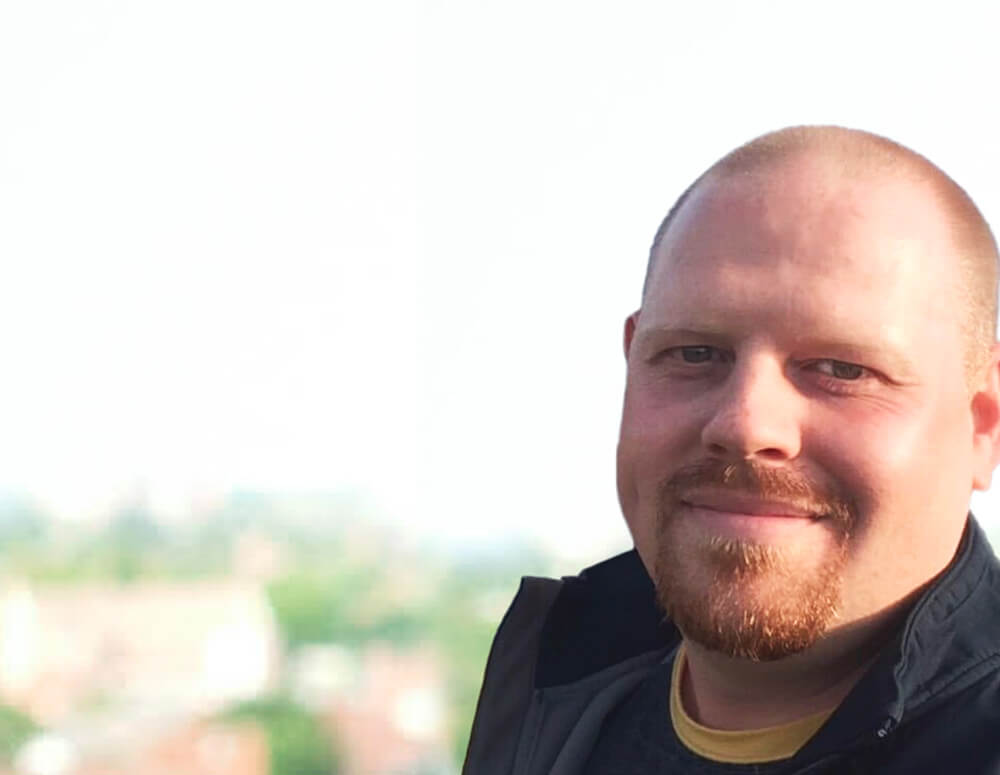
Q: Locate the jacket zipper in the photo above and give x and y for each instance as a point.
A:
(872, 740)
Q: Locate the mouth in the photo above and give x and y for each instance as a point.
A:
(750, 518)
(725, 503)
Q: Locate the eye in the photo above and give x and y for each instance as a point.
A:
(840, 369)
(695, 354)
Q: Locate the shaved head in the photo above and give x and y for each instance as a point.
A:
(854, 154)
(812, 391)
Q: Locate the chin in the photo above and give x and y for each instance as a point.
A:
(747, 600)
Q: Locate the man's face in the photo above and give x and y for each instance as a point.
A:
(798, 442)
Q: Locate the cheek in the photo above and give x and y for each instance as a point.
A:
(632, 460)
(865, 453)
(653, 443)
(905, 474)
(898, 467)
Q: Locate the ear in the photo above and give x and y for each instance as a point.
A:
(986, 422)
(630, 323)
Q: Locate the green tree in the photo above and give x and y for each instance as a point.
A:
(297, 742)
(15, 729)
(341, 605)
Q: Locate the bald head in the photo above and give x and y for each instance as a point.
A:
(849, 154)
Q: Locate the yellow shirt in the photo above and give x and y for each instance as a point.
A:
(749, 746)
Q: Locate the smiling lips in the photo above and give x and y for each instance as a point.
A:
(738, 504)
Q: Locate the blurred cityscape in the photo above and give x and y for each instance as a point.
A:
(266, 635)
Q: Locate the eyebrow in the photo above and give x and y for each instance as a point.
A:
(708, 336)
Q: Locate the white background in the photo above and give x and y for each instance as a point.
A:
(386, 248)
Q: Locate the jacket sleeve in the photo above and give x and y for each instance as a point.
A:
(509, 680)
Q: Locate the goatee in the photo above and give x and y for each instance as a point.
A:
(757, 603)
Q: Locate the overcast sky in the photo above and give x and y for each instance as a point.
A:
(387, 247)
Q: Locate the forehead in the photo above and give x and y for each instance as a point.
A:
(801, 238)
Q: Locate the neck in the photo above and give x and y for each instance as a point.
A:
(728, 693)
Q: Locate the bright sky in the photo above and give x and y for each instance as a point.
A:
(387, 247)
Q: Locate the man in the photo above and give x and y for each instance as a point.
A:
(813, 392)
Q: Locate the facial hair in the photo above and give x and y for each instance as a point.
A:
(757, 605)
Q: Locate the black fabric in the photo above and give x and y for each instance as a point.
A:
(505, 681)
(639, 739)
(603, 616)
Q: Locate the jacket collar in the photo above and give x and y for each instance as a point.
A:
(950, 638)
(602, 617)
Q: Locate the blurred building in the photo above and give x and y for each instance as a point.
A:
(188, 747)
(385, 704)
(180, 647)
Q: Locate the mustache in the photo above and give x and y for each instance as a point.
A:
(761, 481)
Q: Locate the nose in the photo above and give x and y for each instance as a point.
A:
(755, 414)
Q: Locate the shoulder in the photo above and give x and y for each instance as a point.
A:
(509, 678)
(559, 632)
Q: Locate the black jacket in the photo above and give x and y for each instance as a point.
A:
(568, 651)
